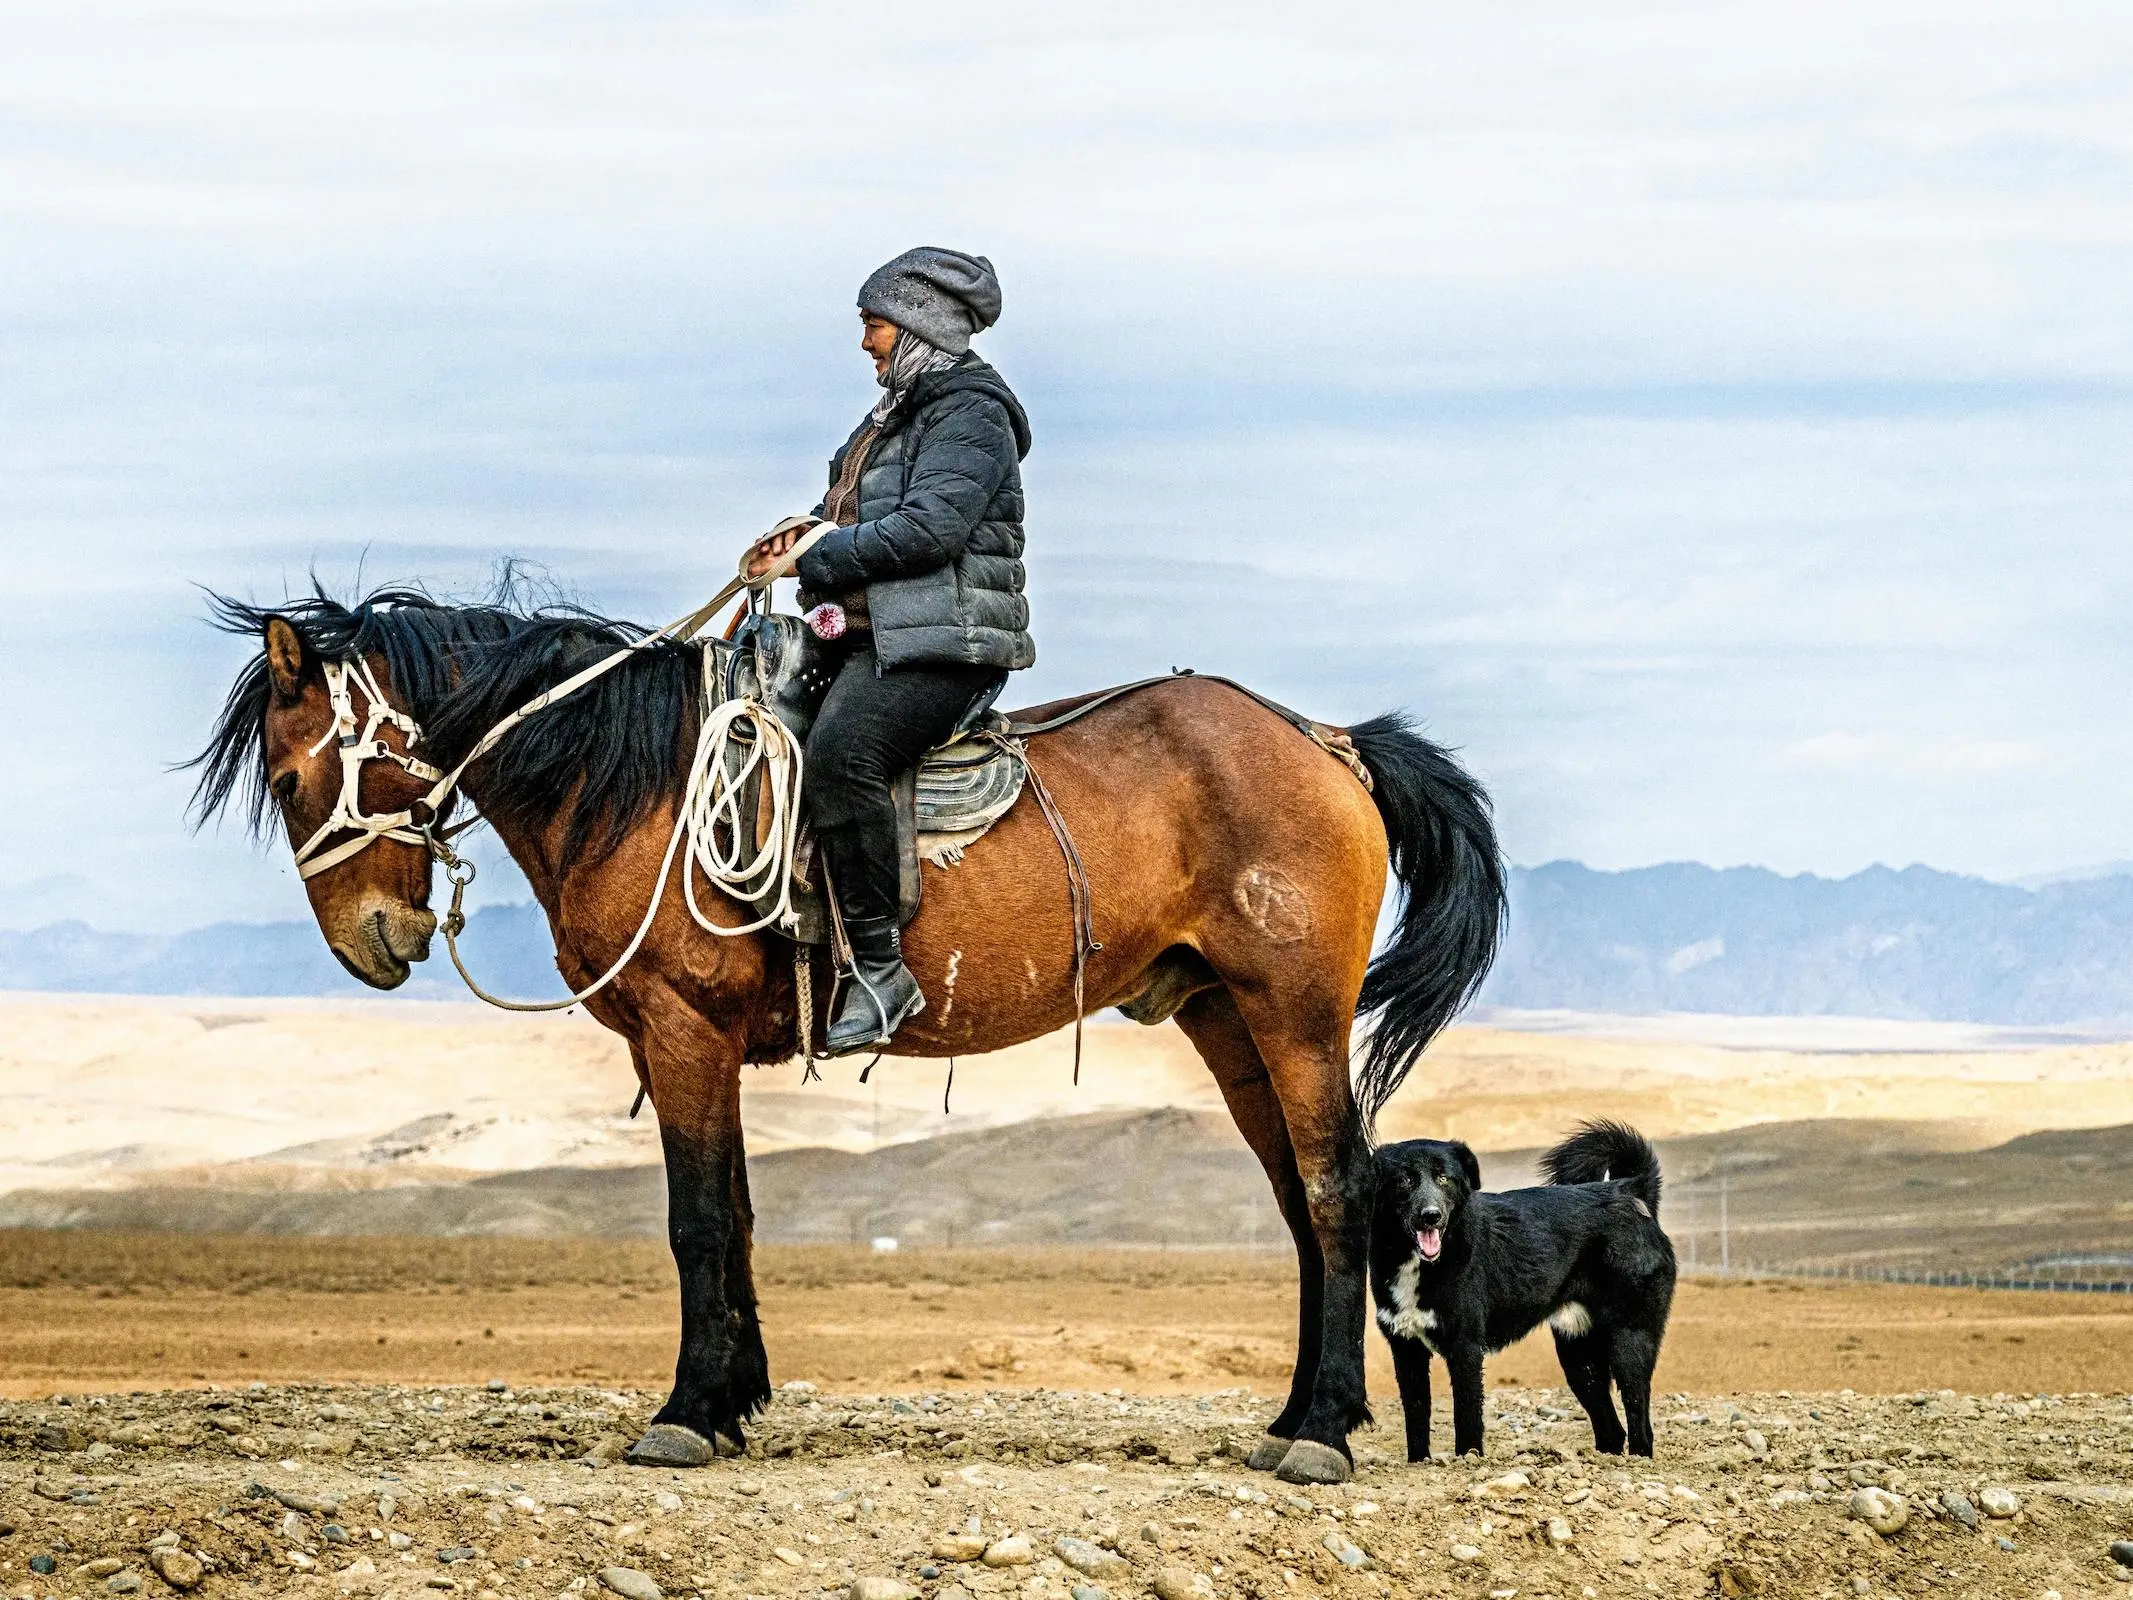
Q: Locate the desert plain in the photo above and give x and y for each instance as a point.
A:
(314, 1299)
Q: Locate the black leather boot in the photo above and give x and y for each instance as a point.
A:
(880, 992)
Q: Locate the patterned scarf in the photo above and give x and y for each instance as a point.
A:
(910, 359)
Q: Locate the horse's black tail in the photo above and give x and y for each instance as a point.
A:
(1601, 1150)
(1451, 879)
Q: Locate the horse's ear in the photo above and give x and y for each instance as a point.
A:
(287, 656)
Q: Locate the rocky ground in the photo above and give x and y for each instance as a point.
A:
(1042, 1495)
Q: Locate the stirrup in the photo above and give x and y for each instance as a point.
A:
(886, 1024)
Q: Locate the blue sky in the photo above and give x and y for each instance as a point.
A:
(1712, 418)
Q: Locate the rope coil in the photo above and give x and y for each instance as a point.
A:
(754, 875)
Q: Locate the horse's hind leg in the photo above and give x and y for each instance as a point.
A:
(1211, 1022)
(1304, 1044)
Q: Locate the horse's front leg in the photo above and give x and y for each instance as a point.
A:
(722, 1375)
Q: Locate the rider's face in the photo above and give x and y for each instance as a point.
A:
(878, 340)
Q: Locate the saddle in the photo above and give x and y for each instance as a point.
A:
(943, 806)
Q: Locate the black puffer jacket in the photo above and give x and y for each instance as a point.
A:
(938, 544)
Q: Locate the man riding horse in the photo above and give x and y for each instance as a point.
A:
(920, 588)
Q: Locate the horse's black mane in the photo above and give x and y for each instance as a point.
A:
(609, 753)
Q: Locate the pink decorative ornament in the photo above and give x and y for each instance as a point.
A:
(826, 621)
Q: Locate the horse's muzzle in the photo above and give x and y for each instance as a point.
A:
(387, 939)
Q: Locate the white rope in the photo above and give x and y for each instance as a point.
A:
(742, 870)
(347, 810)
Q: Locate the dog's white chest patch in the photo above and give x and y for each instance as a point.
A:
(1403, 1318)
(1571, 1320)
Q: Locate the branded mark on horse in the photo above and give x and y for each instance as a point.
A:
(1235, 870)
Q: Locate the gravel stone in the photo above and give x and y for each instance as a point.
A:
(175, 1567)
(1013, 1551)
(958, 1547)
(1959, 1507)
(1880, 1510)
(631, 1584)
(1182, 1583)
(2122, 1552)
(1998, 1502)
(1092, 1560)
(1345, 1550)
(873, 1587)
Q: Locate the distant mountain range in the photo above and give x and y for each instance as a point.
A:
(507, 947)
(1915, 944)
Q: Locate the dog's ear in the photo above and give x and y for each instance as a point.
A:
(1384, 1171)
(1469, 1163)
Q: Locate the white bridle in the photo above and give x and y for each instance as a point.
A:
(741, 870)
(355, 749)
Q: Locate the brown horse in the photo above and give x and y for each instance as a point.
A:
(1236, 871)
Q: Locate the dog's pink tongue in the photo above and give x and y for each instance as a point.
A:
(1430, 1241)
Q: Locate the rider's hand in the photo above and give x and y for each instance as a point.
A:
(766, 551)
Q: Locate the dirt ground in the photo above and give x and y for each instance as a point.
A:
(501, 1491)
(367, 1416)
(91, 1312)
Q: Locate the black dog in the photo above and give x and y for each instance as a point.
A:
(1463, 1274)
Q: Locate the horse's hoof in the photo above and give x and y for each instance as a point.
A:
(669, 1444)
(1267, 1453)
(1308, 1461)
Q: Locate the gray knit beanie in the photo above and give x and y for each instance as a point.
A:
(943, 296)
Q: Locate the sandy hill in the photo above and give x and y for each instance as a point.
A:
(391, 1117)
(270, 1092)
(1822, 1192)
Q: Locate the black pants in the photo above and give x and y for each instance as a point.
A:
(871, 728)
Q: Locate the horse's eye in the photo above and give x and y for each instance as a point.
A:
(285, 787)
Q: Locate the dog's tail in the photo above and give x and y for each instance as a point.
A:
(1601, 1150)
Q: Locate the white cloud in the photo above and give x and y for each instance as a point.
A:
(1912, 755)
(1709, 416)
